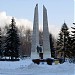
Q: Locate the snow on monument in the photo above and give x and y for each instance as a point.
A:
(35, 35)
(46, 42)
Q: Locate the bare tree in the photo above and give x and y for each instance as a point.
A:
(25, 38)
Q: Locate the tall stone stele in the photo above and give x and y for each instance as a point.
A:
(35, 35)
(46, 42)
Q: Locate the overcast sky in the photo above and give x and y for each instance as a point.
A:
(23, 10)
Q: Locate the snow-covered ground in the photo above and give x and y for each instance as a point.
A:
(27, 67)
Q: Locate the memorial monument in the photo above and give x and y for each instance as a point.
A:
(35, 36)
(46, 42)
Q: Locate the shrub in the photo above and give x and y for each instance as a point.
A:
(61, 61)
(49, 61)
(37, 61)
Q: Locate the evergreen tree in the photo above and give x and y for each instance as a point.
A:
(60, 42)
(0, 44)
(73, 42)
(12, 41)
(52, 45)
(63, 41)
(65, 32)
(69, 47)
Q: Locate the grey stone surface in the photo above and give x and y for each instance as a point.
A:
(46, 42)
(35, 35)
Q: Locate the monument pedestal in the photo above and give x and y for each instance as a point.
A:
(41, 55)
